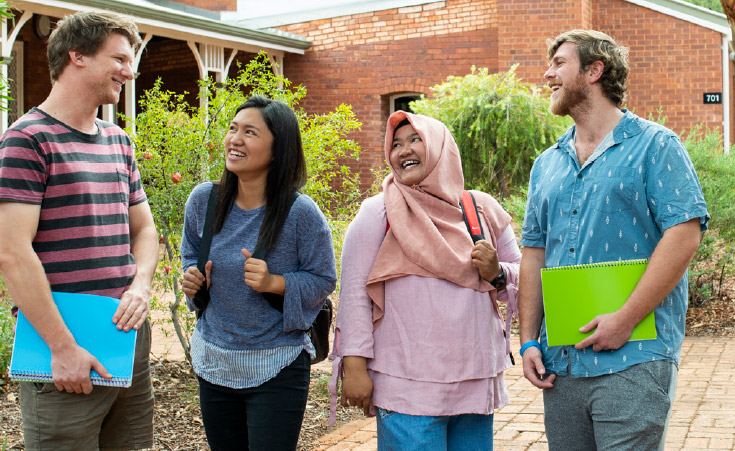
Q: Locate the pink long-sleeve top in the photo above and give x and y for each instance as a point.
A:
(440, 348)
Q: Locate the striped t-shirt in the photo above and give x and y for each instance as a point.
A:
(84, 185)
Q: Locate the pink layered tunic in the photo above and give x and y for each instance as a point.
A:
(440, 347)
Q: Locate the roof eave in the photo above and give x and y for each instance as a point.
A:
(178, 20)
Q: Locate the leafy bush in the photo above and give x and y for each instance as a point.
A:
(716, 172)
(179, 146)
(714, 261)
(515, 204)
(500, 124)
(7, 324)
(714, 5)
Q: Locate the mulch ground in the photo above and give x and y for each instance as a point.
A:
(178, 423)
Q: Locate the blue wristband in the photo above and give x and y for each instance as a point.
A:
(530, 344)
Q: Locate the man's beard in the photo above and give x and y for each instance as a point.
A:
(573, 94)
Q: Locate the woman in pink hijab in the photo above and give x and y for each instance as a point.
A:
(419, 340)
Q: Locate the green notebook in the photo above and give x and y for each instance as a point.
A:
(574, 295)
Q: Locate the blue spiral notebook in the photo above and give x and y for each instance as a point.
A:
(89, 318)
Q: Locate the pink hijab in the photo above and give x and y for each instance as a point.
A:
(427, 235)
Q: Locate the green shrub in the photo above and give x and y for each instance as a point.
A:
(714, 261)
(713, 5)
(716, 172)
(7, 324)
(500, 124)
(515, 204)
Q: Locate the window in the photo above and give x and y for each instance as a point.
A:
(401, 101)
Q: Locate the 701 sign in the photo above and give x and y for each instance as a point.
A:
(712, 98)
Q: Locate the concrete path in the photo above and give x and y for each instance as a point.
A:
(703, 415)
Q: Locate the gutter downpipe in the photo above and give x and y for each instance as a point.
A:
(726, 94)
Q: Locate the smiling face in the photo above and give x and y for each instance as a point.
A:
(109, 69)
(408, 156)
(567, 82)
(248, 145)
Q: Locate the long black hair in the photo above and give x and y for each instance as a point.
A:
(286, 173)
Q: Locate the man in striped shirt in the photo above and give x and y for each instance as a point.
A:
(74, 218)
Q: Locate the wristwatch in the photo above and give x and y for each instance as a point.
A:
(499, 281)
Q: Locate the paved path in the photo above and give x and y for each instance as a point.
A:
(703, 415)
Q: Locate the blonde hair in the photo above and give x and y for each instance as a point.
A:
(597, 46)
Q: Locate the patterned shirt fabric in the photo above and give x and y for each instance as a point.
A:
(241, 341)
(638, 183)
(85, 185)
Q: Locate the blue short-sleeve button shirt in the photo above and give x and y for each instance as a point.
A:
(638, 183)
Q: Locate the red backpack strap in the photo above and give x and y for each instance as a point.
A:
(472, 220)
(471, 216)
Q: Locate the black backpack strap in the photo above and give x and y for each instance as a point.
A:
(260, 252)
(206, 243)
(471, 216)
(201, 298)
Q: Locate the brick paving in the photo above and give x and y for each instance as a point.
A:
(703, 416)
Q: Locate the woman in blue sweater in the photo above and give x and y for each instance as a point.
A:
(252, 361)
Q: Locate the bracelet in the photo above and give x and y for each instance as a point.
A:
(529, 344)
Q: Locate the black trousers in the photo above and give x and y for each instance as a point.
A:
(267, 417)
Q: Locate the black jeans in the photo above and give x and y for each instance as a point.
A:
(267, 417)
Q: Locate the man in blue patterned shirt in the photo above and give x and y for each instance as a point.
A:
(614, 187)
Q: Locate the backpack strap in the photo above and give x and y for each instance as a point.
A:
(206, 242)
(260, 252)
(201, 298)
(471, 216)
(472, 220)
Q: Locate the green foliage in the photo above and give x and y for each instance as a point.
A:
(515, 204)
(716, 172)
(7, 324)
(179, 146)
(500, 124)
(320, 387)
(714, 5)
(5, 97)
(714, 261)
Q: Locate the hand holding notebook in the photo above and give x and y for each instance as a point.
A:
(606, 332)
(89, 319)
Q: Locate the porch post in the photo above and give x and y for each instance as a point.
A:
(6, 50)
(130, 96)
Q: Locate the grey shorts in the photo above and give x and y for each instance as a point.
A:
(628, 410)
(109, 418)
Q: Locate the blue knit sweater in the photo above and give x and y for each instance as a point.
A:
(238, 317)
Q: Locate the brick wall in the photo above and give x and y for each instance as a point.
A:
(173, 62)
(525, 25)
(36, 81)
(363, 59)
(672, 63)
(212, 5)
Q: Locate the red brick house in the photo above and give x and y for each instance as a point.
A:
(371, 58)
(376, 55)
